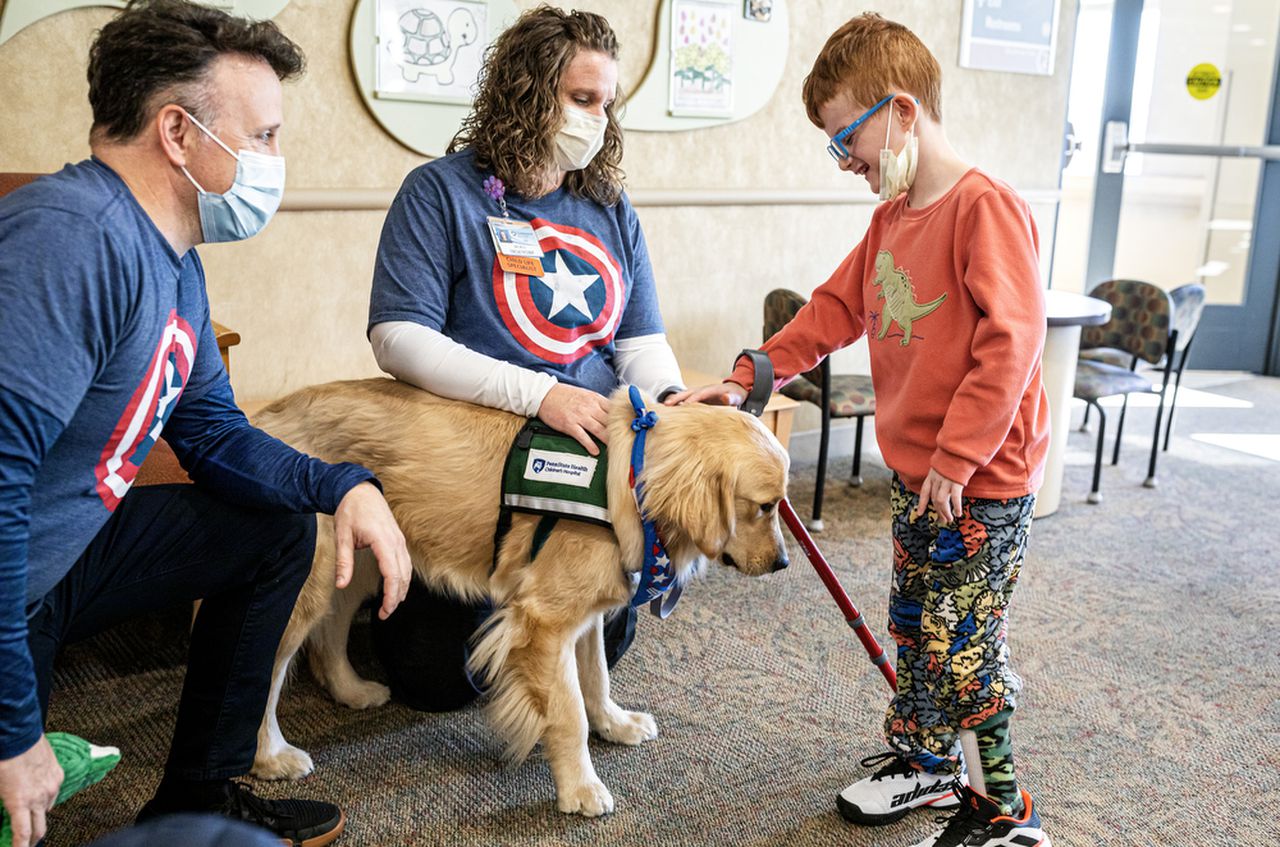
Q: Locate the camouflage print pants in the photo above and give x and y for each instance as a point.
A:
(948, 614)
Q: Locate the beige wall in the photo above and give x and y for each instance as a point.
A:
(298, 293)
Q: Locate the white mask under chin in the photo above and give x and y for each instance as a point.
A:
(897, 171)
(580, 139)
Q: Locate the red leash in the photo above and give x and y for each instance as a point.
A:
(754, 404)
(828, 577)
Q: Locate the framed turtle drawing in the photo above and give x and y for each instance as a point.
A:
(430, 50)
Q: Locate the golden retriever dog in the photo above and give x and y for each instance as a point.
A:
(713, 477)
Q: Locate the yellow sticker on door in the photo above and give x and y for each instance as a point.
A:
(1203, 81)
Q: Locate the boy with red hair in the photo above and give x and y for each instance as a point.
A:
(946, 286)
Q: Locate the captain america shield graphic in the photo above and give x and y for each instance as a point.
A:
(574, 307)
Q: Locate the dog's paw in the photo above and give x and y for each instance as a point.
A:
(589, 799)
(361, 695)
(286, 763)
(623, 727)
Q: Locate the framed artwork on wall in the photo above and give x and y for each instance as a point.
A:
(430, 50)
(702, 58)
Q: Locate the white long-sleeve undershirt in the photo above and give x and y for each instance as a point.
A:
(432, 361)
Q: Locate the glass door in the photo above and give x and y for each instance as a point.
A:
(1182, 184)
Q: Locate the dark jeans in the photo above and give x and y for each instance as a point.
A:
(168, 544)
(423, 647)
(190, 831)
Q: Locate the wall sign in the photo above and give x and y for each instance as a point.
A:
(757, 10)
(1017, 36)
(1203, 81)
(18, 14)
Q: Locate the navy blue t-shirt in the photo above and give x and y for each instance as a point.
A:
(437, 266)
(105, 340)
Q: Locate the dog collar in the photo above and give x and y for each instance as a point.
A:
(657, 585)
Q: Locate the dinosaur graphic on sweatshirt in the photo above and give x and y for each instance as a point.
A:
(900, 305)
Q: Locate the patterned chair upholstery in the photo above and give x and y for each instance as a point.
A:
(835, 395)
(1188, 307)
(1141, 329)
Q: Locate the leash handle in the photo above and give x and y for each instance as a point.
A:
(661, 607)
(761, 386)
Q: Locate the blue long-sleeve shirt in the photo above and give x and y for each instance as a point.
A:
(105, 341)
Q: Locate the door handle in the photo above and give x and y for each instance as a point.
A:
(1116, 145)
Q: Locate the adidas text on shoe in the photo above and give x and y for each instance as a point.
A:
(892, 791)
(978, 822)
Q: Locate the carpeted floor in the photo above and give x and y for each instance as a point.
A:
(1144, 630)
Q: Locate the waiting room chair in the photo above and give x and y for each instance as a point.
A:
(1188, 307)
(1141, 328)
(837, 396)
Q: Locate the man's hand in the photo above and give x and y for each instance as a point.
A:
(29, 784)
(941, 493)
(722, 394)
(577, 412)
(364, 520)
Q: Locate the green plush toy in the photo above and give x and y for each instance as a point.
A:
(82, 763)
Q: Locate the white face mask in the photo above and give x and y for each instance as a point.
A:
(580, 139)
(249, 203)
(897, 171)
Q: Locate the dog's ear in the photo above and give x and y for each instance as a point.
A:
(711, 516)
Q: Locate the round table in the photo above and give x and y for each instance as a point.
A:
(1067, 313)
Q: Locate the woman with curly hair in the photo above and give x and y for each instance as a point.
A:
(540, 148)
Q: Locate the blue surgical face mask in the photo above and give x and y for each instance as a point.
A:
(251, 200)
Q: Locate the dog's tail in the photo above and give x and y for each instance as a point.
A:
(514, 710)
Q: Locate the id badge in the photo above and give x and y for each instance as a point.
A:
(517, 246)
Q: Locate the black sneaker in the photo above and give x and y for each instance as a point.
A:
(298, 823)
(981, 823)
(892, 791)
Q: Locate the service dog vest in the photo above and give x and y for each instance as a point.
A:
(549, 473)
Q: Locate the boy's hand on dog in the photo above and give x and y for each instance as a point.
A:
(944, 495)
(578, 413)
(364, 520)
(722, 394)
(29, 784)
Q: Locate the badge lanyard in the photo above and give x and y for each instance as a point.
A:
(515, 241)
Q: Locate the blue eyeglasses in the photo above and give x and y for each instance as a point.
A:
(836, 147)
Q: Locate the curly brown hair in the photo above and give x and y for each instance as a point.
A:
(512, 126)
(161, 50)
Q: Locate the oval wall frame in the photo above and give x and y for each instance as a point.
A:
(18, 14)
(426, 126)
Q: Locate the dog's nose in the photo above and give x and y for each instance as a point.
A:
(781, 562)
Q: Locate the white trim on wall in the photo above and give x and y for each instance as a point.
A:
(377, 199)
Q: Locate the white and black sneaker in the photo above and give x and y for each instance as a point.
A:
(893, 790)
(979, 822)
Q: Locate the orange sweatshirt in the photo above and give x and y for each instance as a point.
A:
(950, 298)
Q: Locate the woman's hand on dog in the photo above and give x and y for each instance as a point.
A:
(578, 413)
(720, 394)
(364, 520)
